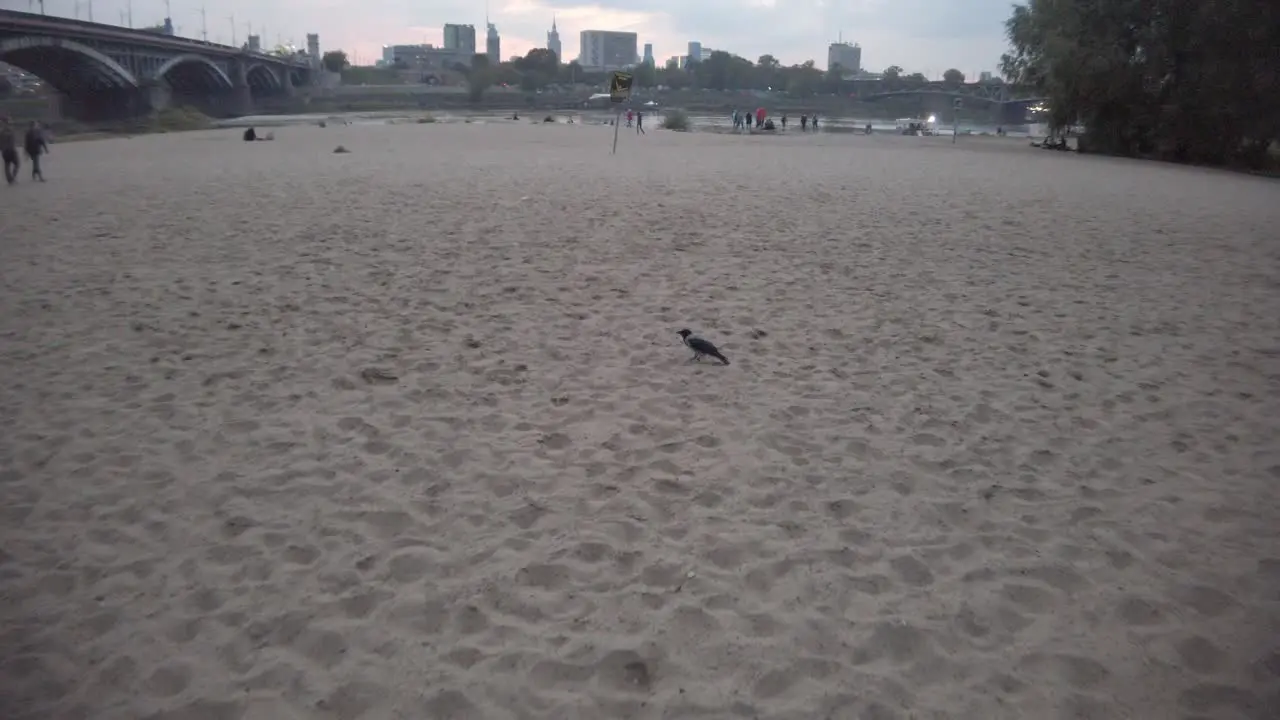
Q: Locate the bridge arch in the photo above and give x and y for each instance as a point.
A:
(68, 66)
(967, 97)
(188, 73)
(261, 77)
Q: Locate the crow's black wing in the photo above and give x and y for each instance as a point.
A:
(702, 346)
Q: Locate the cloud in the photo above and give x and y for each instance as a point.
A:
(920, 35)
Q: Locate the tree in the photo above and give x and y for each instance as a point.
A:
(803, 80)
(572, 73)
(953, 77)
(833, 80)
(539, 60)
(646, 76)
(1178, 79)
(893, 72)
(672, 76)
(479, 77)
(335, 61)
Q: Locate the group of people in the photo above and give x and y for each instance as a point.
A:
(638, 117)
(744, 119)
(34, 143)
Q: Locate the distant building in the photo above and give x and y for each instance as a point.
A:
(648, 53)
(255, 44)
(164, 28)
(848, 57)
(425, 57)
(607, 50)
(313, 45)
(986, 77)
(553, 40)
(493, 45)
(695, 53)
(460, 38)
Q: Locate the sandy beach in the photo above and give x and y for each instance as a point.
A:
(409, 433)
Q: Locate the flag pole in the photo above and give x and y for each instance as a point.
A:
(619, 91)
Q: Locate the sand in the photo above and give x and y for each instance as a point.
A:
(408, 432)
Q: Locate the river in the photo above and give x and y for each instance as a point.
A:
(700, 122)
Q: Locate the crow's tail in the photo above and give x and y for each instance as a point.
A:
(721, 358)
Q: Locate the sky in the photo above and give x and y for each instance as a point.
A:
(926, 36)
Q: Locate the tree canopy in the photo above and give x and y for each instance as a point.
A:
(335, 61)
(1182, 80)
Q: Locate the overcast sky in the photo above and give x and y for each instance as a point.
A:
(924, 36)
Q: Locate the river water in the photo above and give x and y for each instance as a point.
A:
(700, 122)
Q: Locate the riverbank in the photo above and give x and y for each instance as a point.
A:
(408, 431)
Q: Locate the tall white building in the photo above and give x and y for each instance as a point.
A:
(493, 45)
(553, 40)
(607, 50)
(695, 52)
(460, 37)
(848, 57)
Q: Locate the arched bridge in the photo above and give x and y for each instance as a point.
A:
(951, 94)
(104, 71)
(982, 92)
(1012, 103)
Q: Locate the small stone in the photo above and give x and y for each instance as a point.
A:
(378, 375)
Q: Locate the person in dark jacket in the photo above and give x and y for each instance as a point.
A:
(35, 145)
(9, 151)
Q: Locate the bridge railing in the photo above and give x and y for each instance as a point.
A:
(54, 23)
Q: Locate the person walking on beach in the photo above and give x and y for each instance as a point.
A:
(784, 121)
(630, 114)
(814, 121)
(640, 123)
(35, 145)
(804, 122)
(9, 151)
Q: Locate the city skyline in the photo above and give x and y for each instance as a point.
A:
(918, 36)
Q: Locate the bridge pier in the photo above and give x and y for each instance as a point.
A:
(103, 105)
(156, 95)
(240, 100)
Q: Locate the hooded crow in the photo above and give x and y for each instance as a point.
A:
(701, 347)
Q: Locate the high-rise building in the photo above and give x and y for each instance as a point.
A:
(313, 45)
(461, 38)
(695, 53)
(553, 40)
(606, 49)
(648, 53)
(848, 57)
(986, 77)
(493, 45)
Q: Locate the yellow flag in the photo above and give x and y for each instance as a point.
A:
(620, 86)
